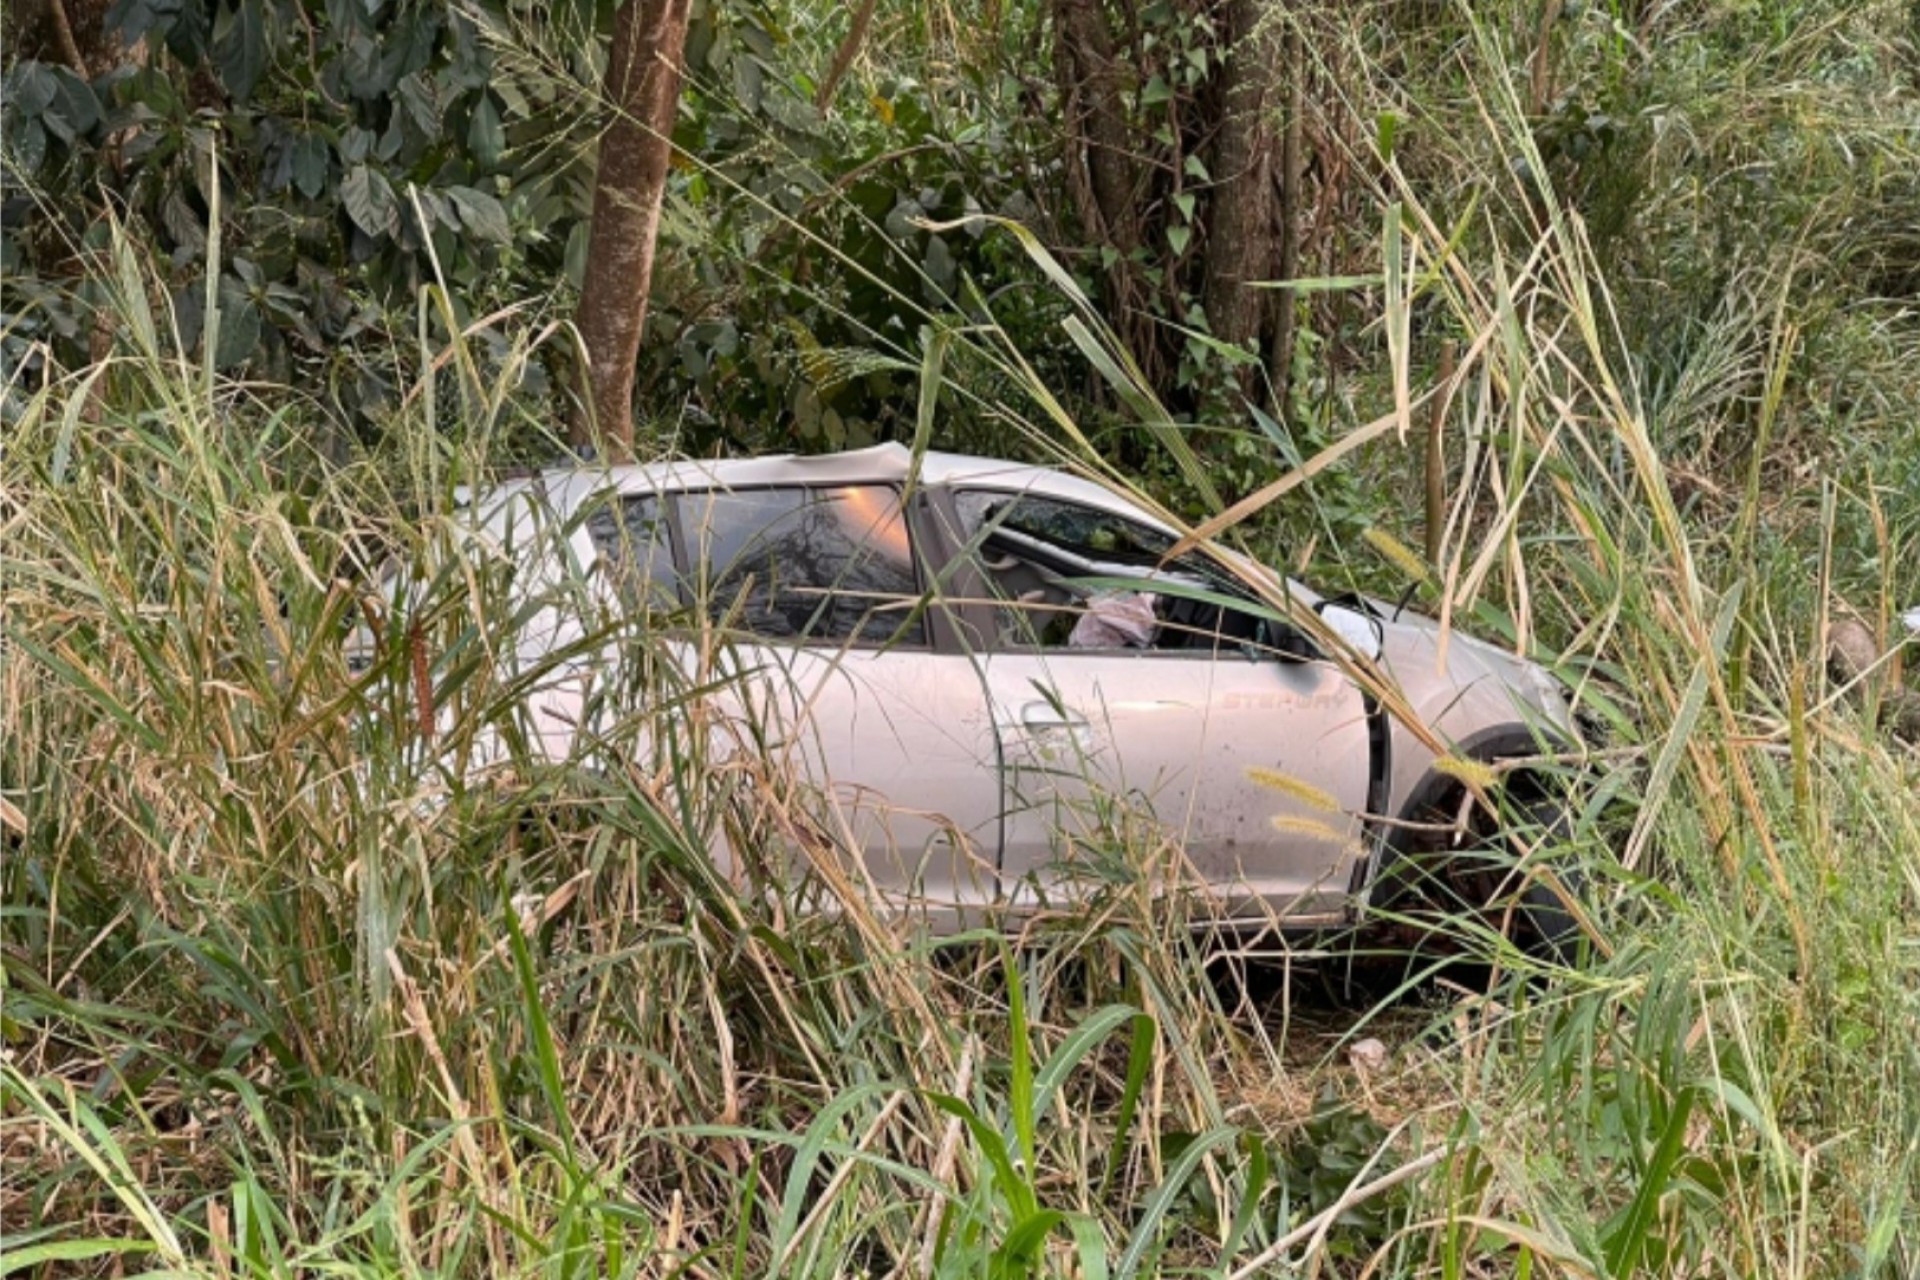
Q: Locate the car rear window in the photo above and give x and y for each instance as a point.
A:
(827, 564)
(633, 538)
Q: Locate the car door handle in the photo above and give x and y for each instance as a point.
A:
(1042, 716)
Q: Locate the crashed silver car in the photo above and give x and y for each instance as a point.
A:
(978, 663)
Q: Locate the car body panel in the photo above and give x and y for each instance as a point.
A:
(900, 745)
(1461, 688)
(1272, 820)
(964, 769)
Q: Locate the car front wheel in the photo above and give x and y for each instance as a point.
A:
(1465, 874)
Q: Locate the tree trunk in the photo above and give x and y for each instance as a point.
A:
(1091, 84)
(643, 91)
(1291, 207)
(71, 32)
(1240, 219)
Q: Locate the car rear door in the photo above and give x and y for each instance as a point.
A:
(820, 635)
(1252, 765)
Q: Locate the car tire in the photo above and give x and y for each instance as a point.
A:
(1545, 927)
(1425, 894)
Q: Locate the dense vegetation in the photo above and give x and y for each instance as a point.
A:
(282, 997)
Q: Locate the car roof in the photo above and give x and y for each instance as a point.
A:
(565, 489)
(891, 463)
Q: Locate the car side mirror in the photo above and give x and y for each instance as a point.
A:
(1361, 630)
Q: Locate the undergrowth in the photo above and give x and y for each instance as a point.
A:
(289, 989)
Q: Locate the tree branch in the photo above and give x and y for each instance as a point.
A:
(843, 56)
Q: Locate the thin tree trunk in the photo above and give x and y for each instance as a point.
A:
(1097, 118)
(1292, 205)
(1240, 217)
(63, 36)
(71, 32)
(1542, 80)
(643, 89)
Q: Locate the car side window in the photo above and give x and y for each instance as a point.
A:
(1051, 565)
(634, 542)
(1084, 531)
(826, 564)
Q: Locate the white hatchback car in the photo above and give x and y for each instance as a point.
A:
(975, 661)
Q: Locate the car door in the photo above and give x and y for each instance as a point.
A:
(820, 635)
(1254, 764)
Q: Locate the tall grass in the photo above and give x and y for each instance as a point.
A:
(289, 989)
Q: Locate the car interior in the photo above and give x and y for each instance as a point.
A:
(1052, 565)
(833, 564)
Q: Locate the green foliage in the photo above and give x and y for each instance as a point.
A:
(805, 264)
(282, 989)
(353, 153)
(364, 152)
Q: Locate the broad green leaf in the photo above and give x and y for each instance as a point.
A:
(310, 156)
(31, 89)
(30, 146)
(369, 200)
(74, 110)
(748, 79)
(239, 331)
(240, 48)
(938, 263)
(419, 104)
(486, 137)
(131, 19)
(482, 214)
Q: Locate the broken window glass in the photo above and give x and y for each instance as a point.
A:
(812, 564)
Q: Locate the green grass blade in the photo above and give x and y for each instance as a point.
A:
(1139, 1063)
(539, 1031)
(1020, 1095)
(16, 1258)
(1146, 1232)
(1626, 1243)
